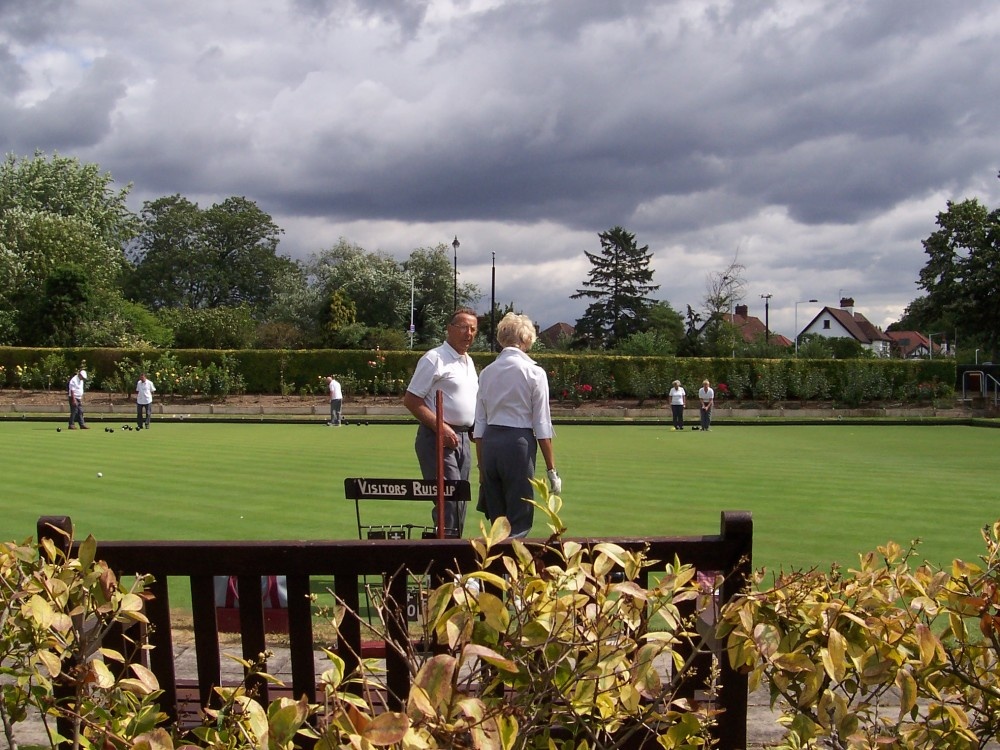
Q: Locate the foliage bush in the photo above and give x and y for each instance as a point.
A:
(891, 654)
(54, 614)
(565, 653)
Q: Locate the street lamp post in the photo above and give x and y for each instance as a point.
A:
(800, 302)
(930, 343)
(493, 300)
(728, 280)
(767, 317)
(454, 246)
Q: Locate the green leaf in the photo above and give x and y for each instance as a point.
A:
(87, 553)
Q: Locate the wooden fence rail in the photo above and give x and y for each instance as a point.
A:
(350, 563)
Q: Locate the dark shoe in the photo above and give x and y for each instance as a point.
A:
(84, 427)
(71, 427)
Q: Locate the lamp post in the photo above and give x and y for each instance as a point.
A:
(930, 343)
(728, 280)
(767, 317)
(454, 246)
(800, 302)
(413, 328)
(493, 299)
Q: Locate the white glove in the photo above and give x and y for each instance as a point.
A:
(555, 482)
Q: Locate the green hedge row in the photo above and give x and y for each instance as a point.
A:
(572, 377)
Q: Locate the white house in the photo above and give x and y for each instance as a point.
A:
(845, 323)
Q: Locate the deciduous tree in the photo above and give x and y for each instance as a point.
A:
(962, 273)
(56, 211)
(223, 256)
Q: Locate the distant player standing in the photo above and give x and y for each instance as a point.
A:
(75, 393)
(144, 390)
(336, 400)
(707, 398)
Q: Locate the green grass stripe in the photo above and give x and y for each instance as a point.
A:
(818, 493)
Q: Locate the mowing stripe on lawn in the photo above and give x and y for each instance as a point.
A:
(817, 493)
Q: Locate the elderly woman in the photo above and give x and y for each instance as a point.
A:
(512, 422)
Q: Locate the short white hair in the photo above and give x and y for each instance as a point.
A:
(516, 330)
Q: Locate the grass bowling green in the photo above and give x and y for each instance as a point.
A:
(818, 494)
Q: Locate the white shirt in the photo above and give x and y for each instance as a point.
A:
(335, 390)
(76, 386)
(444, 369)
(706, 394)
(144, 390)
(514, 392)
(677, 396)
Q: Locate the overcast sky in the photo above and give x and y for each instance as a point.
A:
(818, 139)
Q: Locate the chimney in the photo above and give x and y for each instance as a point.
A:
(741, 310)
(847, 303)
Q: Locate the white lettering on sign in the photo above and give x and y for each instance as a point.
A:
(430, 490)
(386, 490)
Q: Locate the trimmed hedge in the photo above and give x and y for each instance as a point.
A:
(572, 377)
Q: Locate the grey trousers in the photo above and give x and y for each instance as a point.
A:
(457, 465)
(508, 465)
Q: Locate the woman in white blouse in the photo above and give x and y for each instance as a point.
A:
(512, 422)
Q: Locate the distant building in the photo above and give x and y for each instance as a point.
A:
(752, 328)
(912, 344)
(558, 334)
(846, 323)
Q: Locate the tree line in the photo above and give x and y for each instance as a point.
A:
(79, 268)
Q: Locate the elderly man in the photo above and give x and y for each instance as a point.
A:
(75, 393)
(450, 370)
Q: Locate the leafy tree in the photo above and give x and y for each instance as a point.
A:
(619, 284)
(56, 211)
(962, 273)
(223, 256)
(379, 287)
(815, 346)
(433, 279)
(371, 285)
(125, 324)
(57, 318)
(211, 328)
(341, 314)
(843, 347)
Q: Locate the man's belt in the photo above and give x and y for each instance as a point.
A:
(460, 428)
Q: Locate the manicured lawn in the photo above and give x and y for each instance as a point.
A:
(818, 494)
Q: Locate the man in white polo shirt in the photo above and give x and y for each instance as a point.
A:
(449, 369)
(75, 392)
(144, 390)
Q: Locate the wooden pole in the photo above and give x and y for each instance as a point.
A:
(439, 414)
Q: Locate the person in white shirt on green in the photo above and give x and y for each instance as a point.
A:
(513, 422)
(144, 390)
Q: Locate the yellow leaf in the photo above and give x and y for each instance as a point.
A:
(146, 677)
(51, 662)
(435, 677)
(387, 728)
(101, 674)
(907, 692)
(490, 656)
